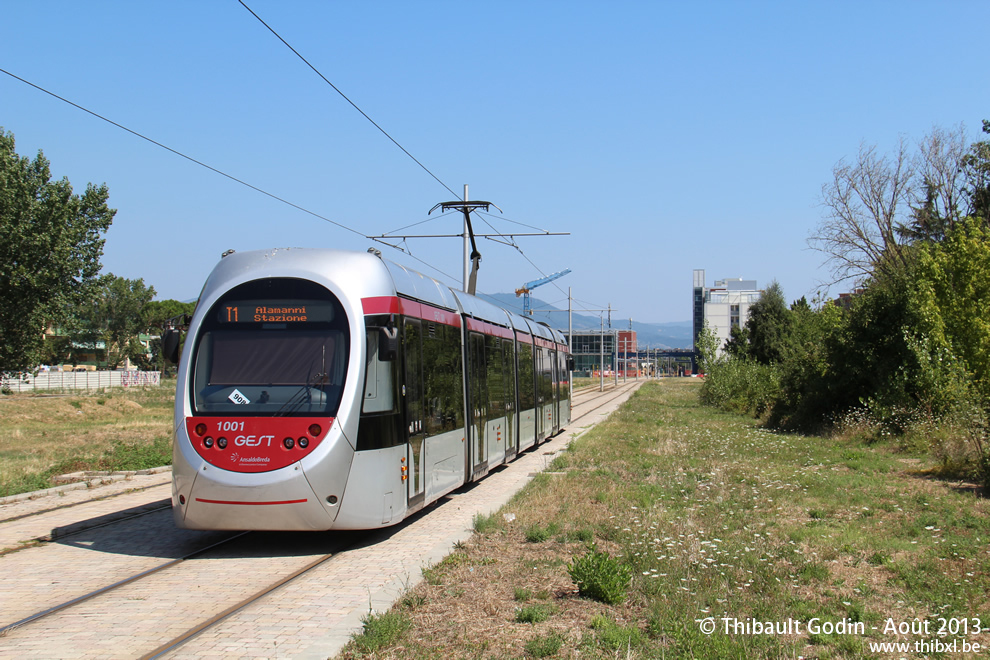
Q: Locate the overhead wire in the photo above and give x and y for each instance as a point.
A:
(421, 222)
(508, 238)
(245, 183)
(182, 155)
(515, 222)
(344, 96)
(222, 173)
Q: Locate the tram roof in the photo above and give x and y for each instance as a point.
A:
(416, 285)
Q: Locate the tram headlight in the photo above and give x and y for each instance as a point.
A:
(222, 443)
(303, 443)
(289, 443)
(207, 442)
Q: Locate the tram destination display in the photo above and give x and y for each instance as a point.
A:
(276, 311)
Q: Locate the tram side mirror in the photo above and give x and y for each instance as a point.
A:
(170, 345)
(570, 363)
(388, 344)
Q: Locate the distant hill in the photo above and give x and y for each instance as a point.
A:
(653, 335)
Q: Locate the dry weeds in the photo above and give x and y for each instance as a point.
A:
(718, 518)
(72, 430)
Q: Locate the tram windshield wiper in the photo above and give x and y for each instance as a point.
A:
(304, 394)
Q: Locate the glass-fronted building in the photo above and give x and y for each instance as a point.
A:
(619, 348)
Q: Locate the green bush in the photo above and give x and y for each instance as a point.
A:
(544, 646)
(741, 385)
(381, 630)
(484, 524)
(613, 637)
(538, 534)
(533, 613)
(601, 577)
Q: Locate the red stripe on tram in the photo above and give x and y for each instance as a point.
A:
(250, 503)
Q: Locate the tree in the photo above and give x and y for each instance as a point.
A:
(708, 349)
(50, 248)
(155, 317)
(737, 345)
(954, 294)
(812, 389)
(157, 313)
(976, 170)
(941, 155)
(863, 204)
(769, 326)
(115, 316)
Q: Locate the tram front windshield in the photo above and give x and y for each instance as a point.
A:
(271, 347)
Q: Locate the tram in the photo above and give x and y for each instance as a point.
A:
(323, 389)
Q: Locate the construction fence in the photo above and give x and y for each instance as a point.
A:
(80, 380)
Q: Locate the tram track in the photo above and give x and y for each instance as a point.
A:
(592, 399)
(55, 609)
(166, 648)
(219, 567)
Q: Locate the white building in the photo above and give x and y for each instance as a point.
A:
(724, 306)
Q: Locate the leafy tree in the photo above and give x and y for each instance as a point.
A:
(156, 313)
(954, 295)
(769, 326)
(155, 316)
(737, 345)
(976, 168)
(50, 248)
(115, 317)
(808, 383)
(707, 347)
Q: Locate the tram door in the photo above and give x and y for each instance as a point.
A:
(412, 396)
(509, 379)
(478, 408)
(555, 389)
(541, 401)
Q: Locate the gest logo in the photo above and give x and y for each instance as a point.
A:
(253, 440)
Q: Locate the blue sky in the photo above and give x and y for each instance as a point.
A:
(663, 136)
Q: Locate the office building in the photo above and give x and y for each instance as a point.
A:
(723, 306)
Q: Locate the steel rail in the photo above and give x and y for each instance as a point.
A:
(116, 585)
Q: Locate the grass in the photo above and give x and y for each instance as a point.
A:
(714, 518)
(380, 630)
(42, 436)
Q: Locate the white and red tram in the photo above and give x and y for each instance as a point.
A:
(322, 389)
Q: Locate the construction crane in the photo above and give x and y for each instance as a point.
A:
(529, 286)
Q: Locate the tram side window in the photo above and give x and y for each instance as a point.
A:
(546, 376)
(379, 382)
(443, 380)
(381, 424)
(508, 369)
(563, 377)
(527, 394)
(496, 385)
(478, 373)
